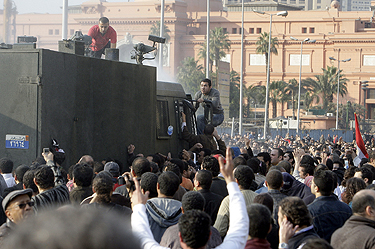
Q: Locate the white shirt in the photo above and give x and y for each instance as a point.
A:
(238, 224)
(9, 179)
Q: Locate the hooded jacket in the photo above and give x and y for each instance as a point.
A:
(293, 187)
(162, 213)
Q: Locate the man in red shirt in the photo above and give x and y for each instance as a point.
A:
(101, 34)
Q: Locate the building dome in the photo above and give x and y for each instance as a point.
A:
(335, 4)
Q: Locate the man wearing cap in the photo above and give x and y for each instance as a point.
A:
(114, 169)
(17, 206)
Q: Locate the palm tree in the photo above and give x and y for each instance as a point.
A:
(278, 95)
(234, 94)
(309, 97)
(326, 85)
(155, 30)
(189, 74)
(254, 93)
(219, 43)
(262, 45)
(292, 87)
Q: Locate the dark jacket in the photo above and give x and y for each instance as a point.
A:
(301, 237)
(358, 232)
(18, 186)
(212, 204)
(277, 197)
(328, 215)
(171, 238)
(51, 198)
(293, 187)
(5, 230)
(219, 187)
(207, 141)
(110, 208)
(78, 194)
(162, 213)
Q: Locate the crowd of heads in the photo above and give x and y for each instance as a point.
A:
(299, 168)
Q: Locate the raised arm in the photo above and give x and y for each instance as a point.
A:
(239, 220)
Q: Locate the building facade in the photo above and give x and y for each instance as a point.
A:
(338, 34)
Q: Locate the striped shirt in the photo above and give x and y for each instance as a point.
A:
(222, 219)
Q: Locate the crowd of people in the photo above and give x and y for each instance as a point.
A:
(281, 193)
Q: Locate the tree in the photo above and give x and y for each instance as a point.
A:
(278, 95)
(234, 94)
(190, 74)
(262, 45)
(326, 85)
(256, 94)
(346, 112)
(292, 88)
(155, 30)
(309, 97)
(219, 43)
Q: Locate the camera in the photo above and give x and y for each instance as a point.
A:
(157, 39)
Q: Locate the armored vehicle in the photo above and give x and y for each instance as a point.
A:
(90, 106)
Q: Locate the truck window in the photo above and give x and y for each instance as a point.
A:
(162, 119)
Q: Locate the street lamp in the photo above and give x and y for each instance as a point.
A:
(208, 41)
(338, 87)
(284, 14)
(65, 20)
(241, 79)
(161, 35)
(299, 84)
(364, 88)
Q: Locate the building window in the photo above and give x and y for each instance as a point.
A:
(50, 31)
(312, 30)
(251, 31)
(318, 1)
(304, 30)
(162, 119)
(295, 59)
(293, 1)
(225, 30)
(72, 32)
(234, 30)
(57, 32)
(369, 60)
(259, 30)
(257, 60)
(240, 30)
(318, 7)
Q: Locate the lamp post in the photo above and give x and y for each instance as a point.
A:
(161, 35)
(65, 20)
(299, 83)
(241, 72)
(347, 114)
(338, 87)
(284, 14)
(208, 41)
(364, 88)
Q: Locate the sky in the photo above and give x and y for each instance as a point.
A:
(46, 6)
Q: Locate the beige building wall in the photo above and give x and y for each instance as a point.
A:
(339, 34)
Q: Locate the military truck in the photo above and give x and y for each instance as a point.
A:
(90, 106)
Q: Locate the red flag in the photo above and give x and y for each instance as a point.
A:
(362, 153)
